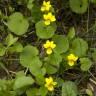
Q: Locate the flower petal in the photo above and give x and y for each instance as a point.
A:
(51, 88)
(71, 63)
(54, 83)
(53, 18)
(49, 51)
(43, 8)
(47, 22)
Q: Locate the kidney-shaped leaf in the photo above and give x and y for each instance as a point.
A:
(22, 81)
(17, 23)
(62, 44)
(44, 31)
(35, 66)
(69, 89)
(27, 55)
(54, 59)
(34, 11)
(78, 6)
(79, 47)
(32, 91)
(85, 64)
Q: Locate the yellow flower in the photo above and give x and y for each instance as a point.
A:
(50, 84)
(72, 59)
(46, 6)
(49, 46)
(48, 18)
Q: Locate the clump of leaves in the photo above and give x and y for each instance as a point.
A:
(38, 66)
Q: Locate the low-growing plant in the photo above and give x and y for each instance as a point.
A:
(50, 54)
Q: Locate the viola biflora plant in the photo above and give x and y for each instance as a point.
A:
(43, 59)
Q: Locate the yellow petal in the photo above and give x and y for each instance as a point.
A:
(51, 79)
(49, 51)
(48, 80)
(47, 22)
(51, 88)
(46, 85)
(47, 8)
(76, 58)
(49, 14)
(44, 3)
(43, 8)
(45, 17)
(47, 42)
(48, 3)
(71, 63)
(71, 57)
(53, 46)
(52, 42)
(45, 46)
(53, 19)
(54, 83)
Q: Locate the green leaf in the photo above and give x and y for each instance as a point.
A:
(69, 89)
(79, 47)
(89, 92)
(17, 47)
(71, 33)
(43, 69)
(10, 40)
(54, 59)
(22, 81)
(30, 4)
(35, 67)
(43, 91)
(59, 81)
(6, 87)
(85, 64)
(17, 20)
(51, 69)
(44, 31)
(36, 10)
(32, 92)
(2, 49)
(20, 73)
(52, 63)
(29, 59)
(40, 79)
(62, 44)
(27, 55)
(78, 6)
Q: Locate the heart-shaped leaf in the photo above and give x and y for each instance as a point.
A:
(17, 23)
(79, 47)
(27, 55)
(69, 89)
(22, 81)
(85, 63)
(44, 31)
(62, 44)
(78, 6)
